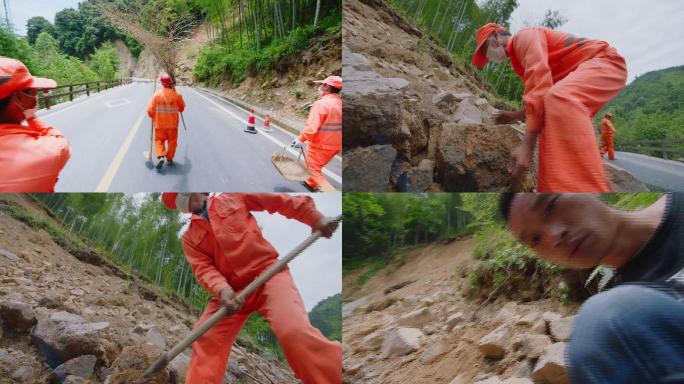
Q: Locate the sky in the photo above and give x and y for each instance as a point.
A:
(646, 33)
(317, 271)
(22, 10)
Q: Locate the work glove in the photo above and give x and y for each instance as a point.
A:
(229, 300)
(296, 144)
(327, 226)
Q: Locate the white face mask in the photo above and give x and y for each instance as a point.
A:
(496, 55)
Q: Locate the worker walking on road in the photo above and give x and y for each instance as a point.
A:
(164, 108)
(607, 135)
(32, 155)
(567, 79)
(323, 131)
(226, 251)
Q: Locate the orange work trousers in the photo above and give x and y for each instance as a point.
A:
(313, 358)
(608, 146)
(316, 159)
(163, 136)
(569, 159)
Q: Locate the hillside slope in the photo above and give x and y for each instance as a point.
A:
(413, 323)
(75, 307)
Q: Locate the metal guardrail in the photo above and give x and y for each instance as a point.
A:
(659, 148)
(52, 98)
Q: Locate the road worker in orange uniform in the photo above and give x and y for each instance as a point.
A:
(164, 108)
(226, 251)
(608, 134)
(323, 131)
(32, 155)
(567, 79)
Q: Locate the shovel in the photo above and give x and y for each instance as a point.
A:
(223, 311)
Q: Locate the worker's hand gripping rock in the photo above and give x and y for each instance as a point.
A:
(230, 300)
(326, 226)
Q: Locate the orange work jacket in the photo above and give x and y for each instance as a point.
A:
(542, 57)
(323, 128)
(31, 157)
(229, 249)
(164, 108)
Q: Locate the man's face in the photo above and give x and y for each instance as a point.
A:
(197, 201)
(18, 103)
(572, 230)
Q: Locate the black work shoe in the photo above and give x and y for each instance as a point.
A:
(160, 163)
(169, 162)
(308, 187)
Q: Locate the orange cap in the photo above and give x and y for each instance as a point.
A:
(14, 76)
(333, 81)
(169, 199)
(482, 34)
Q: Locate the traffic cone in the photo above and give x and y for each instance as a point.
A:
(267, 123)
(250, 123)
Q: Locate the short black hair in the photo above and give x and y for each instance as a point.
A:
(505, 200)
(333, 89)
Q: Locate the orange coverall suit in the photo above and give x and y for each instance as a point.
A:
(31, 157)
(567, 81)
(163, 109)
(230, 251)
(323, 130)
(607, 134)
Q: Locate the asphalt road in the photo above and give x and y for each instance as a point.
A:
(109, 133)
(659, 174)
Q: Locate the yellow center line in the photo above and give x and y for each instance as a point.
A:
(106, 181)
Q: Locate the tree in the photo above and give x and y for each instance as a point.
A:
(36, 25)
(105, 61)
(553, 19)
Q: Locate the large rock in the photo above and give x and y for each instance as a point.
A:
(494, 343)
(416, 319)
(368, 169)
(82, 366)
(467, 113)
(401, 341)
(417, 179)
(448, 102)
(561, 328)
(475, 158)
(17, 315)
(154, 337)
(134, 361)
(373, 341)
(454, 320)
(534, 345)
(550, 367)
(61, 336)
(434, 352)
(372, 107)
(9, 255)
(179, 367)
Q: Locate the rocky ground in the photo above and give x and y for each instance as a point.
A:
(412, 323)
(63, 320)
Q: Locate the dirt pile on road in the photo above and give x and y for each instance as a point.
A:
(407, 93)
(68, 321)
(412, 323)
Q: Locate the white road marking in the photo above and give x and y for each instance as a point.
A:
(76, 104)
(331, 174)
(117, 103)
(106, 181)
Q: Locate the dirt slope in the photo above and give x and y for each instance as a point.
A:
(422, 289)
(53, 306)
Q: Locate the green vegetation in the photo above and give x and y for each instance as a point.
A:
(379, 227)
(650, 108)
(252, 38)
(327, 316)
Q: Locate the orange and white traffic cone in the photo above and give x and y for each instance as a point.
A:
(250, 123)
(267, 123)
